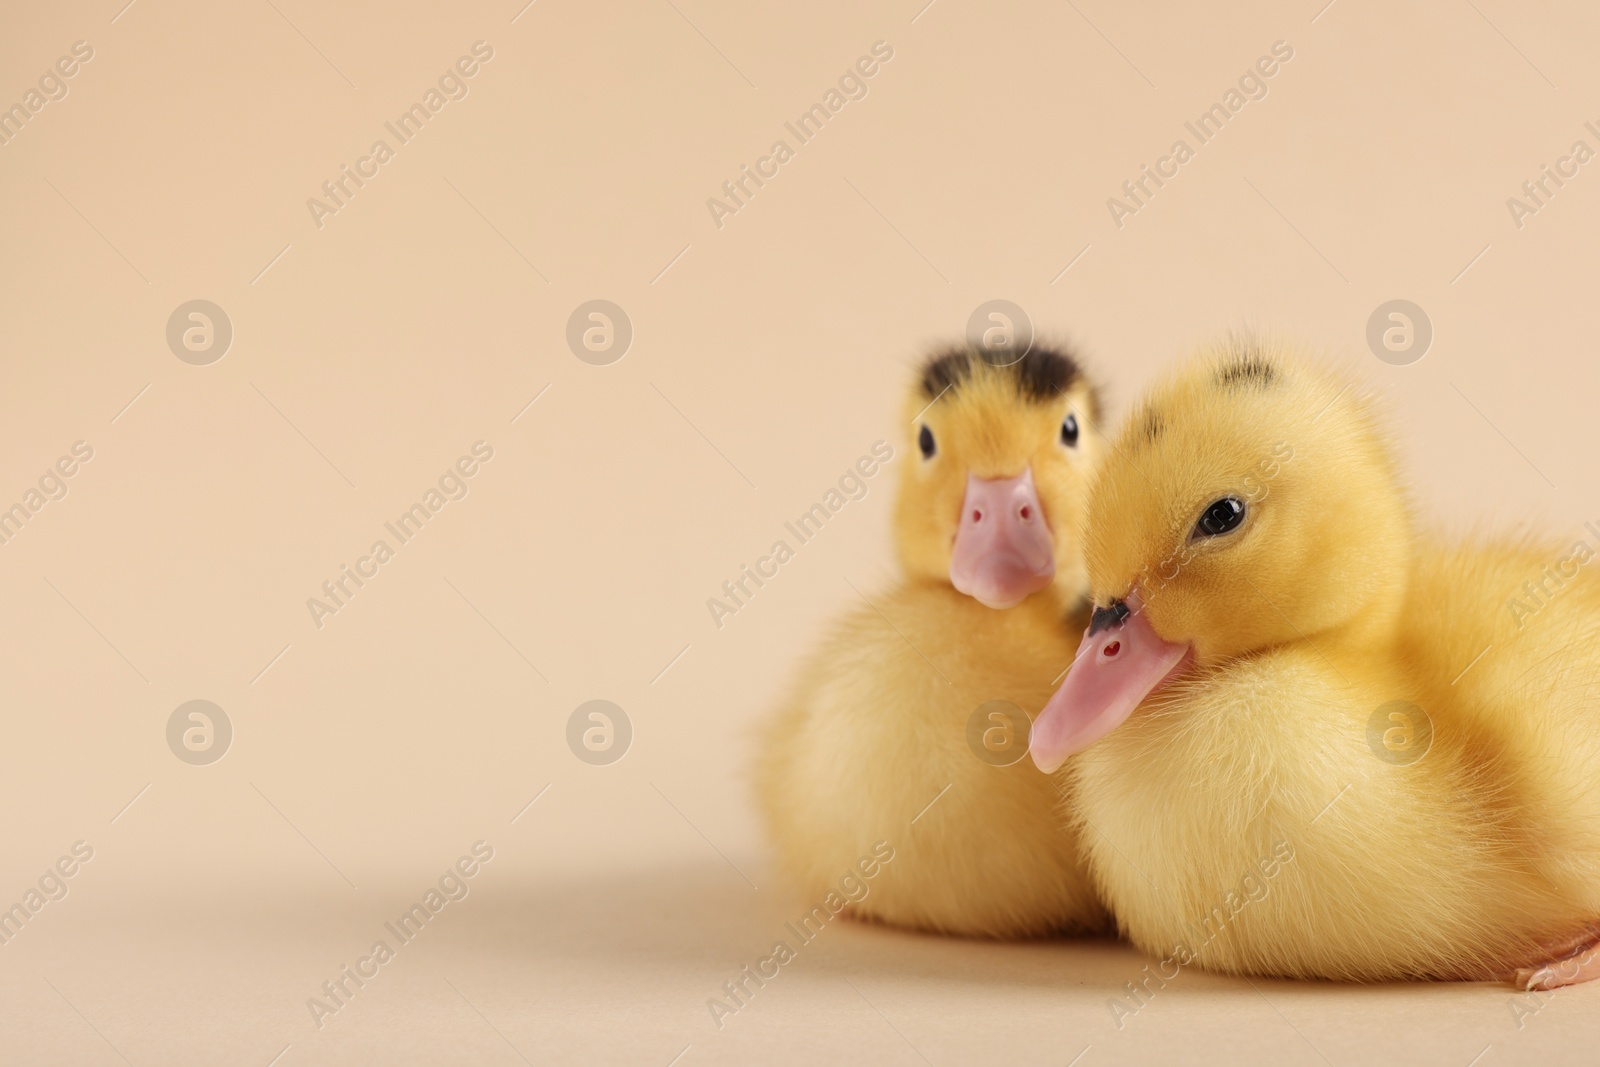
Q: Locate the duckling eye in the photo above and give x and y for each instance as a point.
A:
(1069, 431)
(1219, 517)
(925, 442)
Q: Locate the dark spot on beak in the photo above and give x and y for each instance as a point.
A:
(1107, 617)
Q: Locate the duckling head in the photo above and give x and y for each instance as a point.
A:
(1002, 448)
(1249, 503)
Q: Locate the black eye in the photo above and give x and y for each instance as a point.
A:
(925, 442)
(1219, 517)
(1069, 431)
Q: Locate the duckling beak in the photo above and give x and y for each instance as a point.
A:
(1120, 662)
(1003, 550)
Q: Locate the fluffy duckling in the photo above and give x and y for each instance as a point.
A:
(1322, 744)
(907, 725)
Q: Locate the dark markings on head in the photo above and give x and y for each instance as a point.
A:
(943, 372)
(1248, 362)
(1152, 426)
(1042, 374)
(1247, 370)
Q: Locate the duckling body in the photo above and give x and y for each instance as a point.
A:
(1368, 764)
(909, 723)
(874, 747)
(1447, 868)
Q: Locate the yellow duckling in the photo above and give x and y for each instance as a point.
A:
(907, 726)
(1323, 745)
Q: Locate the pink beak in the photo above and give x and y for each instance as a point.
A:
(1003, 551)
(1120, 662)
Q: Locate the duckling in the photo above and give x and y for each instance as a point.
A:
(1316, 742)
(907, 726)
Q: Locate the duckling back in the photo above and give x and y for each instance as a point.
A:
(1505, 635)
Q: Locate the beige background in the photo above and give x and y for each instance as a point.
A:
(768, 354)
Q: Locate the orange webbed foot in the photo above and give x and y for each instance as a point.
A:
(1579, 966)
